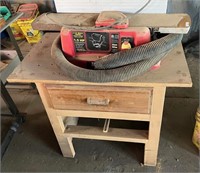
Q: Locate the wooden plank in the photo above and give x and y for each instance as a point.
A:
(131, 100)
(2, 65)
(38, 66)
(9, 60)
(114, 134)
(97, 88)
(151, 147)
(54, 21)
(62, 125)
(65, 143)
(110, 115)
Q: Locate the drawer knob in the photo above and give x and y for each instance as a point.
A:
(98, 101)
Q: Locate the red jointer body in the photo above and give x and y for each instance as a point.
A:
(77, 43)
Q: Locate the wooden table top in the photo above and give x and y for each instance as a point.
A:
(38, 66)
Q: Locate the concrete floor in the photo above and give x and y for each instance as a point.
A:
(34, 147)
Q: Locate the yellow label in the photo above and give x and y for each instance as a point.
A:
(196, 134)
(78, 34)
(125, 45)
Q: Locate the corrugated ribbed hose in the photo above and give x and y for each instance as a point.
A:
(124, 72)
(139, 53)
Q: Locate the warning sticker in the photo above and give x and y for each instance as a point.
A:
(98, 41)
(79, 41)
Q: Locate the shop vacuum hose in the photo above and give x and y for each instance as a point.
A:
(120, 66)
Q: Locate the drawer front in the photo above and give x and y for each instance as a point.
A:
(101, 98)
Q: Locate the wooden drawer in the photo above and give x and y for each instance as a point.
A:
(101, 98)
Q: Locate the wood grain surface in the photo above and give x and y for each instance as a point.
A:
(118, 99)
(38, 66)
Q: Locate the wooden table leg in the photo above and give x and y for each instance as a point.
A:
(151, 147)
(65, 143)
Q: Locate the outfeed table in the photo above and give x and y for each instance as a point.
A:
(141, 98)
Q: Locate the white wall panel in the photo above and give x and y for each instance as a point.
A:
(92, 6)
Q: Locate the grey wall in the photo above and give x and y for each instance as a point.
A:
(191, 7)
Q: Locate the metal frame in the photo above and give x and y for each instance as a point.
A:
(12, 38)
(19, 117)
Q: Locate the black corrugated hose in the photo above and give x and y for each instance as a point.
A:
(120, 66)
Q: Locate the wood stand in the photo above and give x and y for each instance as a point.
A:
(57, 98)
(65, 99)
